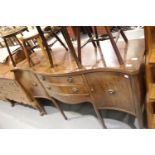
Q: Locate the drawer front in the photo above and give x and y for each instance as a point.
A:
(111, 90)
(68, 94)
(76, 79)
(68, 89)
(64, 89)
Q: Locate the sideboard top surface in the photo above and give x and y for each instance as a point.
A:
(92, 59)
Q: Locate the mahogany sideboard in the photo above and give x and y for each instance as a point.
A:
(106, 85)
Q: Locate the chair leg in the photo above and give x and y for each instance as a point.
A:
(99, 117)
(102, 57)
(27, 52)
(78, 43)
(58, 107)
(7, 46)
(28, 44)
(47, 49)
(96, 35)
(71, 47)
(90, 36)
(114, 46)
(56, 36)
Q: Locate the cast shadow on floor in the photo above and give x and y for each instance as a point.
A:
(87, 109)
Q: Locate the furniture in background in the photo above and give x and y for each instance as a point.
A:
(101, 30)
(150, 75)
(12, 33)
(49, 33)
(72, 30)
(107, 32)
(10, 89)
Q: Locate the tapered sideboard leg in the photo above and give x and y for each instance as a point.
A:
(58, 107)
(40, 108)
(99, 117)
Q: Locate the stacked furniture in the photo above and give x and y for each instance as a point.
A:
(78, 76)
(21, 88)
(10, 89)
(150, 74)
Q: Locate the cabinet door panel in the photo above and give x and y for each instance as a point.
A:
(112, 90)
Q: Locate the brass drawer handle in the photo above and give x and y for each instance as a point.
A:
(70, 79)
(75, 90)
(49, 88)
(111, 91)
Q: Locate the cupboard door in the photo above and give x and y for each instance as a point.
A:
(111, 90)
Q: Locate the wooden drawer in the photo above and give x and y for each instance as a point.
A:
(68, 89)
(76, 79)
(68, 94)
(64, 89)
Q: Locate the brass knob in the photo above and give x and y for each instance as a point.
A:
(75, 90)
(111, 91)
(70, 79)
(49, 88)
